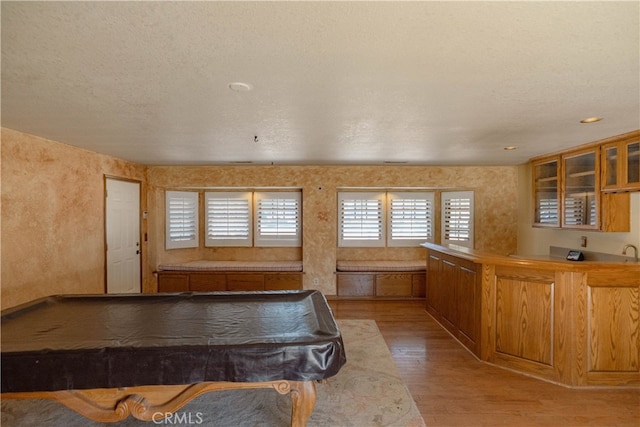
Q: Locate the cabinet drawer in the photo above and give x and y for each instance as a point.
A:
(393, 285)
(208, 282)
(282, 282)
(173, 283)
(245, 282)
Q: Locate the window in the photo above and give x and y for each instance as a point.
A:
(181, 213)
(277, 221)
(457, 218)
(374, 219)
(228, 219)
(361, 219)
(411, 218)
(253, 219)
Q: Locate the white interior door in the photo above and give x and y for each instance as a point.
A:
(123, 236)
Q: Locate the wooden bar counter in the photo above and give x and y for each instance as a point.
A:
(573, 323)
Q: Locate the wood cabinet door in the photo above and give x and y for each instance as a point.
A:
(245, 282)
(173, 282)
(467, 302)
(356, 285)
(433, 293)
(393, 285)
(282, 282)
(208, 282)
(448, 280)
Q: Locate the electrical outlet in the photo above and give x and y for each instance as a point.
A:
(583, 241)
(316, 281)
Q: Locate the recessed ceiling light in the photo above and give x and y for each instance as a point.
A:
(511, 148)
(591, 120)
(240, 87)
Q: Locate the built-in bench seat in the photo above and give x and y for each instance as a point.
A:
(207, 276)
(381, 279)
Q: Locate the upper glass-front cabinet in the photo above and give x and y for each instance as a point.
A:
(546, 191)
(621, 165)
(589, 187)
(580, 204)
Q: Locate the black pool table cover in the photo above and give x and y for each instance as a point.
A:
(68, 342)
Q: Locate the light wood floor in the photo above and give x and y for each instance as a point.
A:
(452, 388)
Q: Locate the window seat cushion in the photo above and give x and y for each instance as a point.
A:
(206, 265)
(380, 266)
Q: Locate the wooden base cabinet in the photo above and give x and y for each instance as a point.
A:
(386, 285)
(612, 316)
(523, 303)
(578, 328)
(201, 281)
(453, 296)
(571, 323)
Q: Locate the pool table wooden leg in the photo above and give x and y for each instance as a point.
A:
(303, 399)
(151, 403)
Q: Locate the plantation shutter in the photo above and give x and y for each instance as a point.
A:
(574, 211)
(361, 220)
(228, 219)
(457, 218)
(548, 211)
(278, 219)
(580, 210)
(181, 218)
(411, 218)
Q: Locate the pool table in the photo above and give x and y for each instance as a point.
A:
(111, 356)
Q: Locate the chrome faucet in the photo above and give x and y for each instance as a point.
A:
(635, 251)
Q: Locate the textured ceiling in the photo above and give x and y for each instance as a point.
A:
(333, 82)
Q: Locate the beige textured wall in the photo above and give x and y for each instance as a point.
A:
(495, 207)
(53, 213)
(53, 217)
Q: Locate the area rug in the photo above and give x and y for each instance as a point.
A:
(367, 391)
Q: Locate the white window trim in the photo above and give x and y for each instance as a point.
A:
(355, 242)
(449, 195)
(247, 241)
(190, 200)
(429, 197)
(278, 240)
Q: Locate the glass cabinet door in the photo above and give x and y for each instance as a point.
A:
(621, 166)
(610, 166)
(580, 204)
(546, 194)
(633, 164)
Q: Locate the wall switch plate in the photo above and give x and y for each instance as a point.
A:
(583, 241)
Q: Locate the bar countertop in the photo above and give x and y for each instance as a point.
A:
(542, 261)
